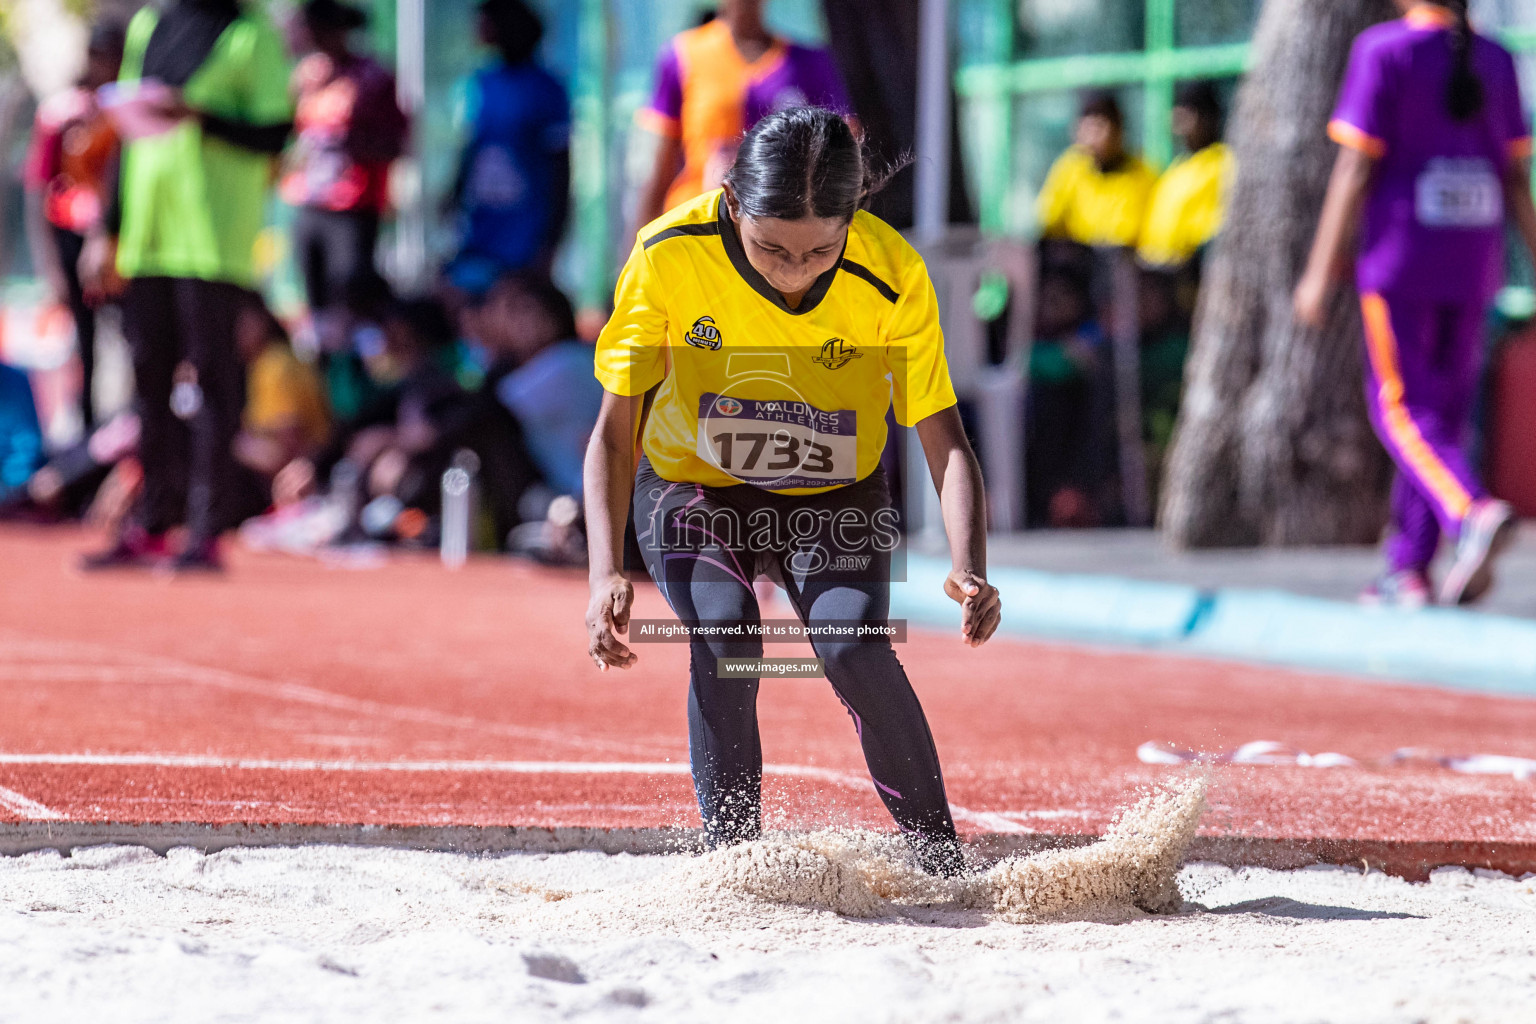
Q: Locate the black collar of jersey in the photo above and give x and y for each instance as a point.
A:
(738, 256)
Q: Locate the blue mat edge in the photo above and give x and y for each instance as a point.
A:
(1441, 646)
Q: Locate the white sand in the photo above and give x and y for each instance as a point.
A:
(339, 934)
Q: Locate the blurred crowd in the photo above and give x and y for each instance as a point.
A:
(1101, 202)
(149, 183)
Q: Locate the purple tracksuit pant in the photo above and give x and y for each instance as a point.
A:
(1423, 366)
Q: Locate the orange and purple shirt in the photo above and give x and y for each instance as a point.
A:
(1434, 220)
(707, 95)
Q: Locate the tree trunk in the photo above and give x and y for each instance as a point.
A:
(1273, 445)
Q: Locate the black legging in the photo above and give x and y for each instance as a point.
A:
(698, 545)
(69, 245)
(190, 473)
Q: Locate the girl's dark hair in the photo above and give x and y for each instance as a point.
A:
(804, 162)
(516, 28)
(1464, 95)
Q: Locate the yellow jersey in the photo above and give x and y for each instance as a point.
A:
(751, 391)
(1187, 206)
(1085, 204)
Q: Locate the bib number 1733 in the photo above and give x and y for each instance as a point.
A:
(778, 445)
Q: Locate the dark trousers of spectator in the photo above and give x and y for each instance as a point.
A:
(189, 465)
(69, 245)
(507, 471)
(333, 249)
(1069, 443)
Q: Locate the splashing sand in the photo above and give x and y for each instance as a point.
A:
(1135, 864)
(858, 874)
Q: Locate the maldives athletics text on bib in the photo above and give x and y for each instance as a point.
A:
(778, 443)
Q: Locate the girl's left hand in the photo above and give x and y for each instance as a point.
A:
(981, 607)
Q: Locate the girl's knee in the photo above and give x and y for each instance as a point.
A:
(870, 662)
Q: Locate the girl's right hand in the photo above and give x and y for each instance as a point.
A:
(607, 620)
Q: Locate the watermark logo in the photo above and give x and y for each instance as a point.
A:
(704, 334)
(837, 353)
(851, 563)
(807, 561)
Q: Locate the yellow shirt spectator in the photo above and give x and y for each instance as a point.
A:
(1187, 206)
(1085, 204)
(284, 394)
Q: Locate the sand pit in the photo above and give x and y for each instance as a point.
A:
(329, 934)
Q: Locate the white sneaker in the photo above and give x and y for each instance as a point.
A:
(1485, 534)
(1407, 589)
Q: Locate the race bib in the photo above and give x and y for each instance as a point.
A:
(778, 444)
(1459, 194)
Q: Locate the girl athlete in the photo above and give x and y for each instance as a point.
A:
(778, 322)
(1435, 150)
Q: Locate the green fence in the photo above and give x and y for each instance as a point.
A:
(1177, 40)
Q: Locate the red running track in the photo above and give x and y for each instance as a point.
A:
(287, 692)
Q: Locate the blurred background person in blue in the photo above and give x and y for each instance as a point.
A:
(511, 194)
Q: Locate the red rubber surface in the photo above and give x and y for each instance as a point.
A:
(286, 660)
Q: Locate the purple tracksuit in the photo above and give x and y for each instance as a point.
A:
(1431, 256)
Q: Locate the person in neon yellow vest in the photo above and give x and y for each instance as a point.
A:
(208, 81)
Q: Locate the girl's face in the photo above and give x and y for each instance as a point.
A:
(792, 254)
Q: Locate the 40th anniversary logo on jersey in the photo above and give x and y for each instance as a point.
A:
(837, 353)
(704, 334)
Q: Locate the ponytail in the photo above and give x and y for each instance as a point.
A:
(1464, 94)
(805, 162)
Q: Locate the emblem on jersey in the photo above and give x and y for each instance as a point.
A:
(704, 334)
(837, 353)
(728, 406)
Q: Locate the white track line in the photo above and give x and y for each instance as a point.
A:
(847, 780)
(29, 809)
(315, 765)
